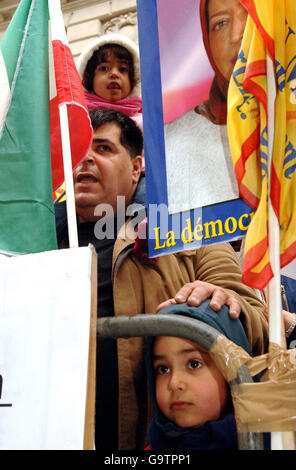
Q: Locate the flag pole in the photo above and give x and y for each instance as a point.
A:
(274, 286)
(67, 160)
(58, 30)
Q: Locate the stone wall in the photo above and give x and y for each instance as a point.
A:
(86, 19)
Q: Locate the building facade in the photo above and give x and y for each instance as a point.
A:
(86, 19)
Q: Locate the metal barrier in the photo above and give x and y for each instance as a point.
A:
(183, 327)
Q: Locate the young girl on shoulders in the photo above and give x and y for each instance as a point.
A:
(110, 72)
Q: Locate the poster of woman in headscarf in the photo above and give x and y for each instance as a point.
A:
(188, 52)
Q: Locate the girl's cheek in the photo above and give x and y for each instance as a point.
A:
(160, 396)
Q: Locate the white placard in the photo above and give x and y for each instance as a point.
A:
(45, 318)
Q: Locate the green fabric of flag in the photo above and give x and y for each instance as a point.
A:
(27, 222)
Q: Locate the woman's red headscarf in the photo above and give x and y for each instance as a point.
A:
(215, 108)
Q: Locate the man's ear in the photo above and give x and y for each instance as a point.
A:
(137, 163)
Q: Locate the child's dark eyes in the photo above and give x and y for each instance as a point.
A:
(103, 68)
(194, 364)
(161, 370)
(106, 68)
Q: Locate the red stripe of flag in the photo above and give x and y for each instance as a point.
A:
(289, 255)
(256, 69)
(275, 191)
(251, 7)
(251, 259)
(249, 146)
(70, 92)
(260, 280)
(249, 197)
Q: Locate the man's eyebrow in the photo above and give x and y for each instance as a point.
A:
(100, 141)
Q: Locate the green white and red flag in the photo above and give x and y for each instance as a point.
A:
(37, 75)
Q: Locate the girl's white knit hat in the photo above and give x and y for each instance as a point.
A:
(112, 38)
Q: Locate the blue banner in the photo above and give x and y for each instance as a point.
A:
(171, 230)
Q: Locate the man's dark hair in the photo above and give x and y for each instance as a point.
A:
(131, 135)
(101, 55)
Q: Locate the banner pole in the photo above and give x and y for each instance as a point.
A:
(274, 286)
(67, 160)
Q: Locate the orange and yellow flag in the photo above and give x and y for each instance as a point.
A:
(270, 29)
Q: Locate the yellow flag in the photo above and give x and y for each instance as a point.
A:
(283, 174)
(270, 29)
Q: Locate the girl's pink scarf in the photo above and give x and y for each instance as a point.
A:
(127, 106)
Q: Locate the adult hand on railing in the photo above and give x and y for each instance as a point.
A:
(194, 293)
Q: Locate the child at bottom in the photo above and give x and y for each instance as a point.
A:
(192, 401)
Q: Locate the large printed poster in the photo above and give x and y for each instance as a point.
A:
(192, 192)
